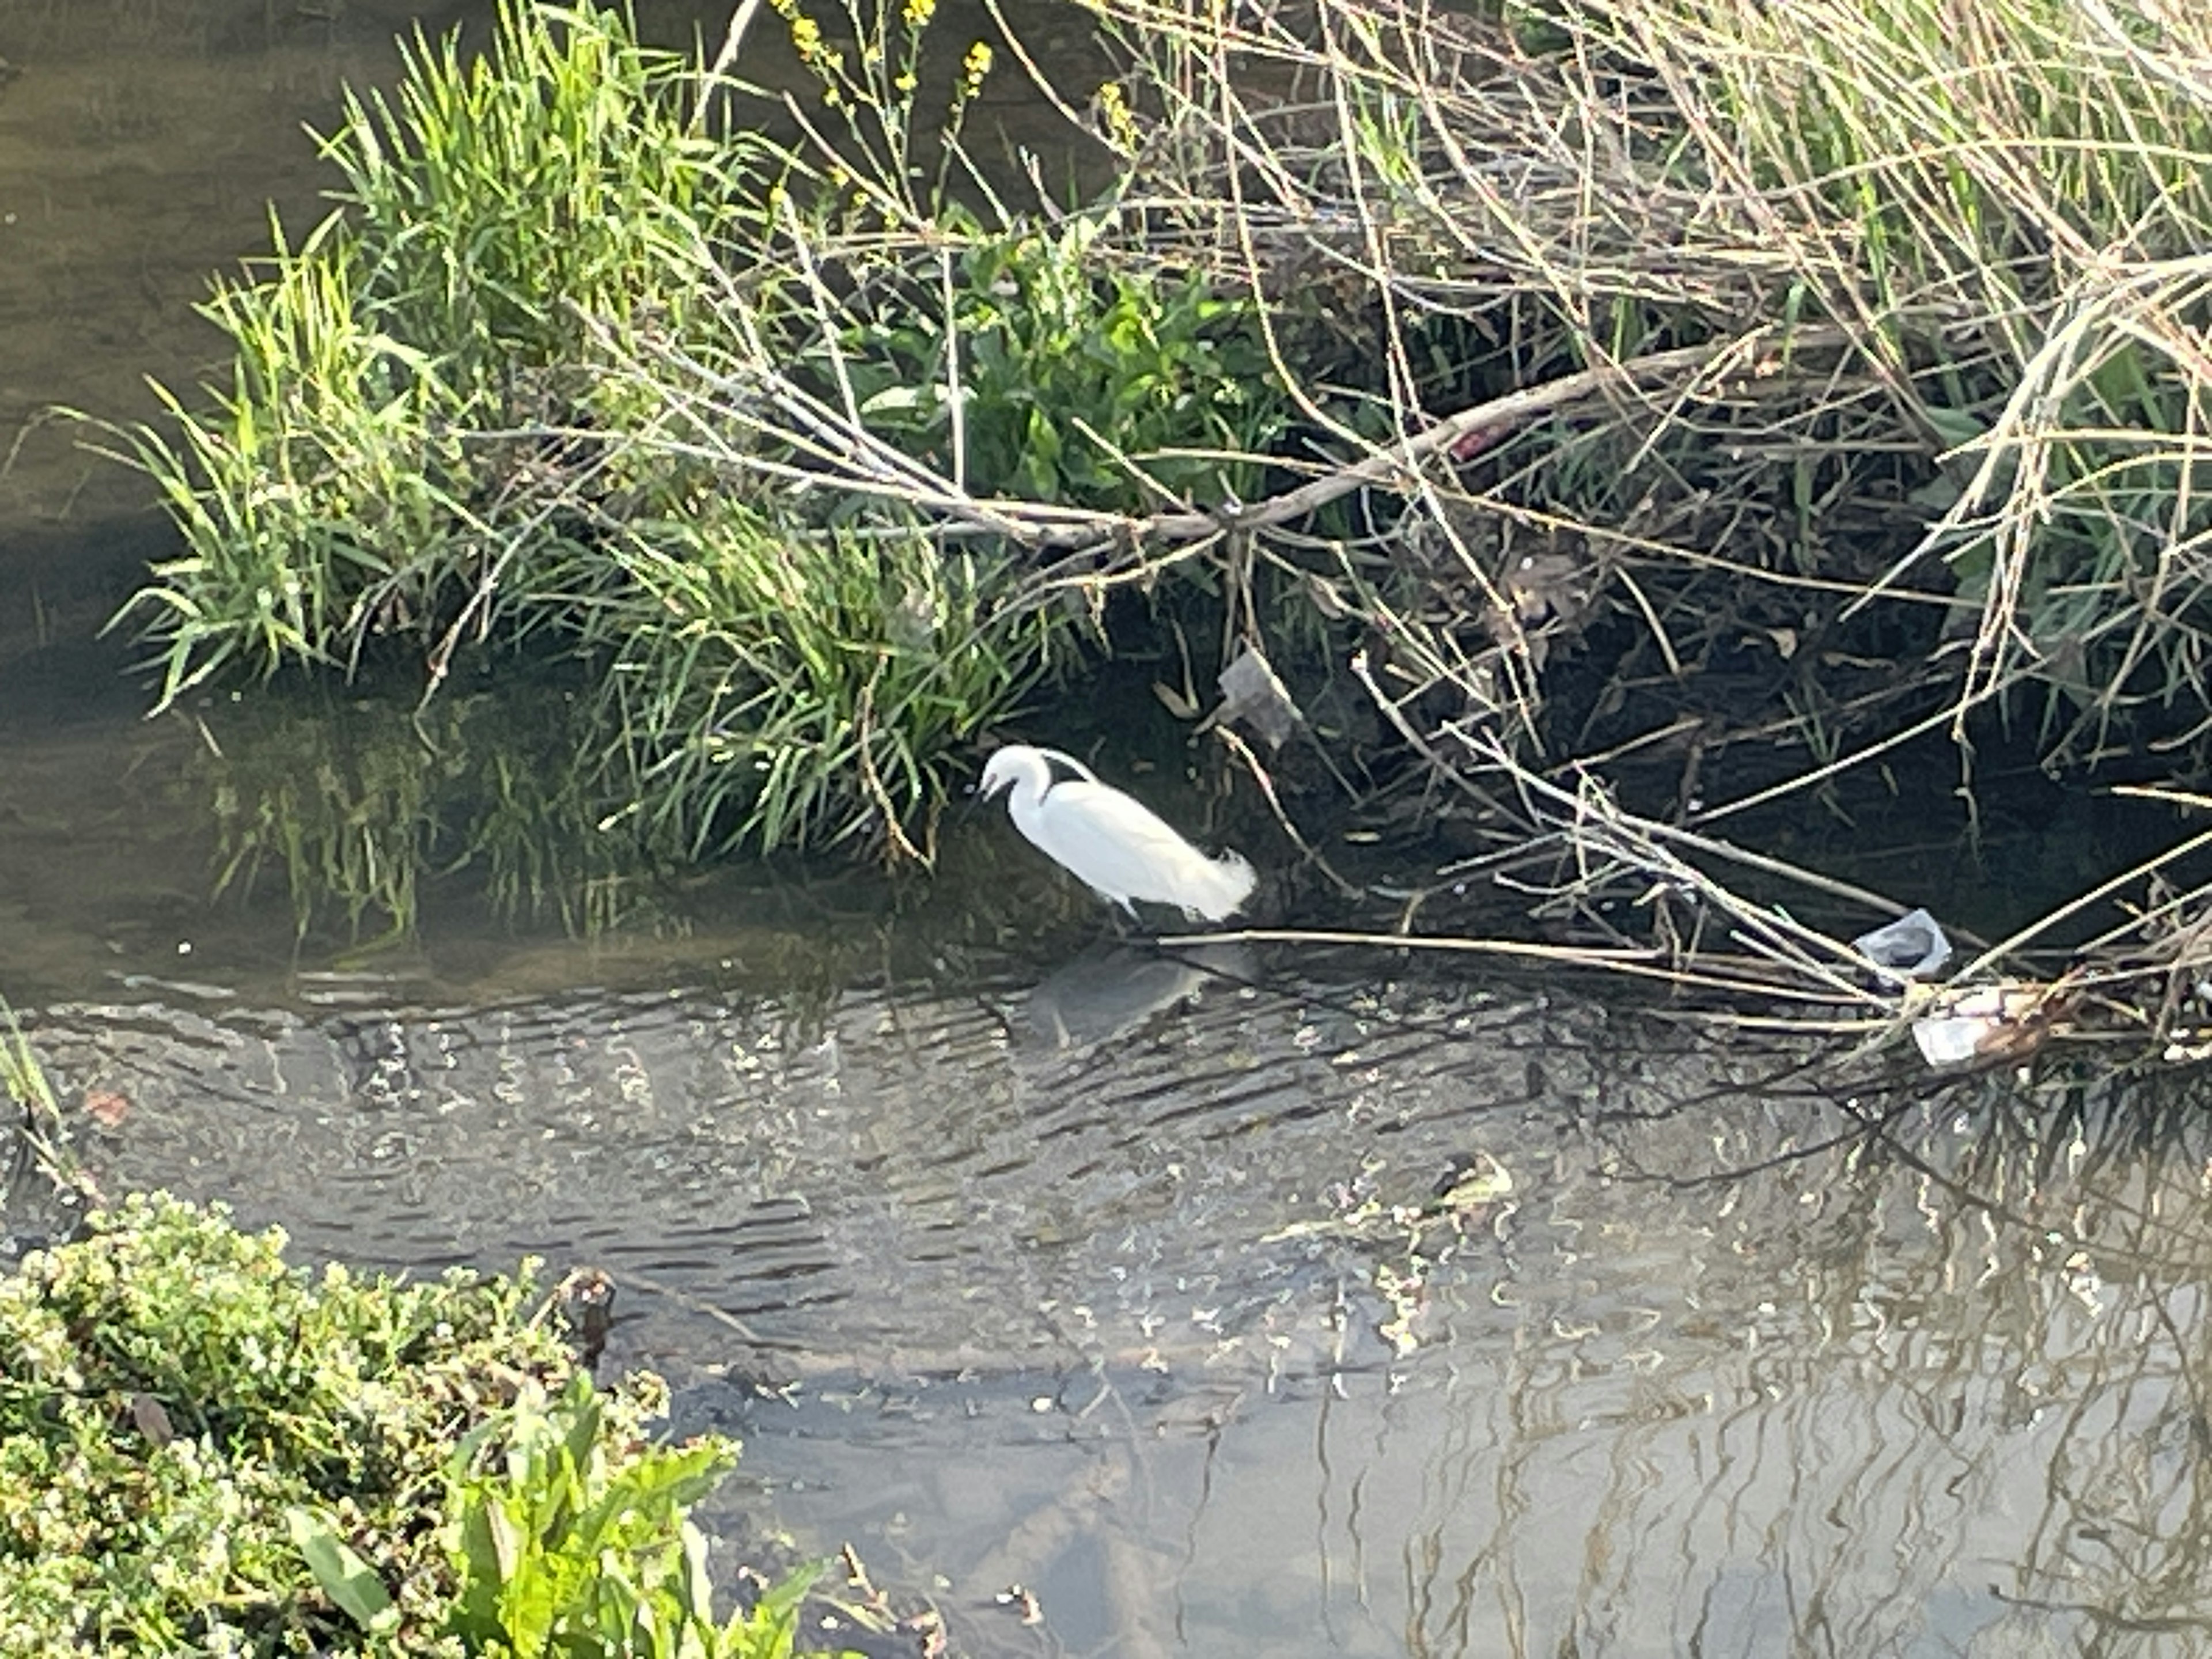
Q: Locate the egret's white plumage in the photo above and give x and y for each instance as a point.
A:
(1113, 844)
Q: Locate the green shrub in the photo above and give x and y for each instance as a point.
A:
(204, 1450)
(505, 202)
(780, 687)
(1084, 381)
(571, 1542)
(551, 375)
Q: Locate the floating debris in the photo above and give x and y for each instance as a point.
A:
(1475, 1181)
(586, 1299)
(1913, 946)
(106, 1107)
(1974, 1024)
(1251, 692)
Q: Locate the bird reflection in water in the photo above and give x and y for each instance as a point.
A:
(1112, 989)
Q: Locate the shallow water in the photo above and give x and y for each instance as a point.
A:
(1167, 1328)
(1020, 1259)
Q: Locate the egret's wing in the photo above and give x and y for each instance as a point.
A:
(1120, 847)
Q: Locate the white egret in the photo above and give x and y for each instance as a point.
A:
(1113, 844)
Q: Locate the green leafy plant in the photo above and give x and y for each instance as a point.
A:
(566, 1547)
(22, 1077)
(203, 1449)
(549, 376)
(505, 201)
(496, 211)
(1078, 378)
(170, 1390)
(321, 497)
(777, 685)
(431, 436)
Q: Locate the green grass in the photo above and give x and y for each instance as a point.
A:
(819, 459)
(341, 489)
(797, 688)
(520, 392)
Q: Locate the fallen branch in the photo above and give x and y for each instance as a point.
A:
(763, 401)
(1396, 464)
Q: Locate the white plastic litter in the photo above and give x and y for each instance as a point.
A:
(1949, 1041)
(1983, 1022)
(1911, 947)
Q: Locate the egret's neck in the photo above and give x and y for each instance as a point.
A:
(1025, 801)
(1030, 788)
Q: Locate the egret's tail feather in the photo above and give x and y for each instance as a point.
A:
(1217, 888)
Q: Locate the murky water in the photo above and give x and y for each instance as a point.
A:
(1125, 1279)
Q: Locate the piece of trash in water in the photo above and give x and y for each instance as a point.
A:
(1473, 1181)
(1912, 946)
(1251, 692)
(1983, 1022)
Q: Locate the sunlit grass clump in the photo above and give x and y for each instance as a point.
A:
(344, 486)
(573, 372)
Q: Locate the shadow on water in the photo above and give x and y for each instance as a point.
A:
(1226, 1304)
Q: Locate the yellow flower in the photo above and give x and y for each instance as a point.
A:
(1117, 123)
(916, 14)
(973, 69)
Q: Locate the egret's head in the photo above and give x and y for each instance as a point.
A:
(1004, 767)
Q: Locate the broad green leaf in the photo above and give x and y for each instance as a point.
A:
(894, 399)
(348, 1580)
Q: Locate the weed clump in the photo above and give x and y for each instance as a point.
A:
(203, 1449)
(491, 403)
